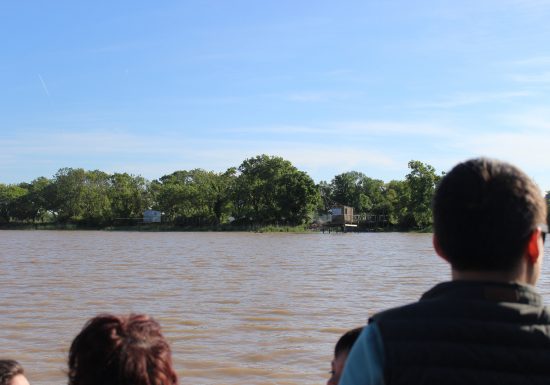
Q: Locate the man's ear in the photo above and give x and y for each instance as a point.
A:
(533, 249)
(438, 249)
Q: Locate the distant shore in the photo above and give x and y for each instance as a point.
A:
(166, 227)
(152, 227)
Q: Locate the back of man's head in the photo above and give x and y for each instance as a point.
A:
(484, 212)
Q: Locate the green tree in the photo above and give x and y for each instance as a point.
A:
(174, 196)
(374, 190)
(9, 196)
(223, 186)
(196, 197)
(270, 190)
(346, 190)
(129, 196)
(35, 204)
(82, 196)
(96, 203)
(68, 195)
(326, 200)
(355, 189)
(421, 181)
(397, 196)
(298, 197)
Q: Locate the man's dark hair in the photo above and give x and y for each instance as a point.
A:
(129, 350)
(8, 370)
(484, 212)
(345, 343)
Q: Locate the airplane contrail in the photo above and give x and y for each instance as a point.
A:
(44, 86)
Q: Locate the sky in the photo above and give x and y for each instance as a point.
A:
(150, 88)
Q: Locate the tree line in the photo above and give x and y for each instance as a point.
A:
(262, 191)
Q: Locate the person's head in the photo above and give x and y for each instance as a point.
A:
(12, 373)
(341, 351)
(486, 214)
(129, 350)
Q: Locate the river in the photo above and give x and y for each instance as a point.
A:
(237, 308)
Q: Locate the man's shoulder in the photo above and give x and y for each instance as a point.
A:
(458, 300)
(411, 309)
(404, 311)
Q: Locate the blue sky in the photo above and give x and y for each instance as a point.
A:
(154, 87)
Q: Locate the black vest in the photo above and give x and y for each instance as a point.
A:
(468, 333)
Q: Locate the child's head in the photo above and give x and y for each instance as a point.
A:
(341, 351)
(12, 373)
(121, 350)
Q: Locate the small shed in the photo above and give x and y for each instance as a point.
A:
(342, 215)
(151, 216)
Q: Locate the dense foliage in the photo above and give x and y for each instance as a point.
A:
(262, 191)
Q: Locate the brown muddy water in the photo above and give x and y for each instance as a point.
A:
(237, 308)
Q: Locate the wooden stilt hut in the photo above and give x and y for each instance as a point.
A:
(342, 218)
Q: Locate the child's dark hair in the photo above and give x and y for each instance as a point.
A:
(347, 340)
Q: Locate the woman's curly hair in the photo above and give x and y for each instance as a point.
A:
(113, 350)
(8, 370)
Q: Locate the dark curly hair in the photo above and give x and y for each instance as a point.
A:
(8, 370)
(128, 350)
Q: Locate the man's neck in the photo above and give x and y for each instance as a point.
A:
(489, 276)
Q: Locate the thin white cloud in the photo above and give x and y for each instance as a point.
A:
(534, 119)
(120, 47)
(537, 61)
(337, 148)
(322, 161)
(319, 159)
(537, 78)
(312, 96)
(534, 6)
(346, 75)
(389, 128)
(527, 149)
(524, 147)
(356, 129)
(530, 71)
(152, 155)
(69, 143)
(465, 99)
(318, 96)
(280, 129)
(316, 159)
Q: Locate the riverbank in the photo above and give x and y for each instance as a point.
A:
(156, 227)
(167, 227)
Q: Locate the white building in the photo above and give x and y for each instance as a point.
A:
(151, 216)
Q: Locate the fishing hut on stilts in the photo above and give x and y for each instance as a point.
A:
(342, 219)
